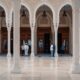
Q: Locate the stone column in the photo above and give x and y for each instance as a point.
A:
(9, 41)
(70, 39)
(33, 41)
(56, 40)
(0, 40)
(16, 35)
(0, 34)
(76, 27)
(56, 25)
(53, 35)
(9, 25)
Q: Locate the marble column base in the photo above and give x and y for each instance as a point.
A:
(32, 55)
(9, 54)
(56, 54)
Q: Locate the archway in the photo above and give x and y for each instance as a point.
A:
(25, 31)
(3, 32)
(44, 19)
(65, 31)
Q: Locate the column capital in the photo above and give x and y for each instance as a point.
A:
(9, 19)
(9, 28)
(9, 25)
(32, 24)
(33, 27)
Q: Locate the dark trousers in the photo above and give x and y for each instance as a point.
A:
(62, 51)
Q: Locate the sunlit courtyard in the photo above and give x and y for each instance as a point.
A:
(39, 40)
(39, 68)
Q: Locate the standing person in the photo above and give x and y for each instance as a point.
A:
(22, 48)
(51, 49)
(26, 49)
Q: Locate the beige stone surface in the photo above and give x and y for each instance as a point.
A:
(41, 68)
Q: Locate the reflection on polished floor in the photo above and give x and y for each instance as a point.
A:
(39, 68)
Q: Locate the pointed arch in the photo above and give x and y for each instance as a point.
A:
(43, 4)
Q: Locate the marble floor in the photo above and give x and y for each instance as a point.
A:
(38, 68)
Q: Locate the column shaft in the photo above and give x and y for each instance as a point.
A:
(32, 42)
(9, 41)
(53, 35)
(16, 36)
(35, 42)
(76, 66)
(56, 44)
(0, 34)
(0, 39)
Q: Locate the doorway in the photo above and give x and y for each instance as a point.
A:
(46, 43)
(59, 42)
(11, 46)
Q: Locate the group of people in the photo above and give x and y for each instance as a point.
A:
(25, 47)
